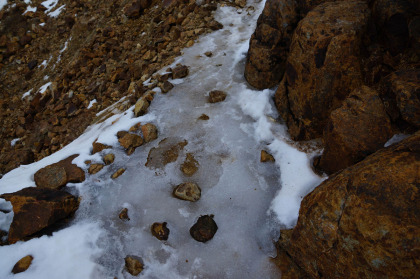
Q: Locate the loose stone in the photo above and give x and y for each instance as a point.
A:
(188, 192)
(204, 229)
(160, 231)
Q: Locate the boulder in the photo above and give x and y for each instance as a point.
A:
(150, 132)
(160, 231)
(133, 265)
(23, 264)
(188, 192)
(401, 94)
(362, 222)
(57, 175)
(323, 66)
(36, 209)
(356, 129)
(130, 142)
(205, 228)
(269, 45)
(180, 71)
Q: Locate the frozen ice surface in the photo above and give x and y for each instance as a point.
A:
(395, 138)
(250, 200)
(2, 4)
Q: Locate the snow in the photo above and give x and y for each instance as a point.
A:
(14, 141)
(91, 103)
(50, 5)
(27, 93)
(30, 9)
(250, 200)
(395, 139)
(69, 253)
(57, 12)
(43, 88)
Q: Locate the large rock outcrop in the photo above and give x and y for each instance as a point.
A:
(269, 45)
(323, 66)
(358, 128)
(363, 222)
(36, 209)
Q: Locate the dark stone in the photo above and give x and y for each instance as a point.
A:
(204, 229)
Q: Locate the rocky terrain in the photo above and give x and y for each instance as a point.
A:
(344, 73)
(348, 72)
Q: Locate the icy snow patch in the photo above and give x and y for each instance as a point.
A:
(91, 103)
(30, 9)
(43, 88)
(2, 4)
(14, 141)
(26, 94)
(68, 253)
(57, 12)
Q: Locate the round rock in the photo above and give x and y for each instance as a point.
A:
(204, 229)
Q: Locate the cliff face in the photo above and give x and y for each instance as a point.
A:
(348, 72)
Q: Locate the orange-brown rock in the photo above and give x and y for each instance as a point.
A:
(266, 157)
(217, 96)
(134, 265)
(35, 209)
(401, 93)
(160, 231)
(268, 46)
(149, 132)
(364, 221)
(356, 129)
(190, 165)
(98, 147)
(22, 265)
(57, 175)
(130, 142)
(95, 168)
(323, 66)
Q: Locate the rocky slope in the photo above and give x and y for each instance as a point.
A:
(348, 72)
(75, 59)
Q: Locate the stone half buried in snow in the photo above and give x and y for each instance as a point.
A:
(23, 264)
(141, 107)
(204, 117)
(160, 231)
(180, 71)
(188, 192)
(134, 265)
(57, 175)
(36, 209)
(109, 158)
(204, 229)
(98, 147)
(118, 173)
(95, 168)
(217, 96)
(266, 157)
(124, 214)
(190, 165)
(149, 131)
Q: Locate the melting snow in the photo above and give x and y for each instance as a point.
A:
(91, 103)
(236, 187)
(14, 141)
(27, 93)
(43, 88)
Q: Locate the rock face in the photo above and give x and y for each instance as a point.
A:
(59, 174)
(35, 209)
(401, 94)
(356, 129)
(270, 42)
(323, 66)
(160, 231)
(187, 191)
(204, 229)
(23, 264)
(362, 222)
(134, 265)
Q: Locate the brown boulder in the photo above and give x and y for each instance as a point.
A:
(205, 228)
(362, 222)
(130, 142)
(323, 66)
(57, 175)
(35, 209)
(149, 132)
(180, 71)
(401, 92)
(356, 129)
(269, 45)
(23, 264)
